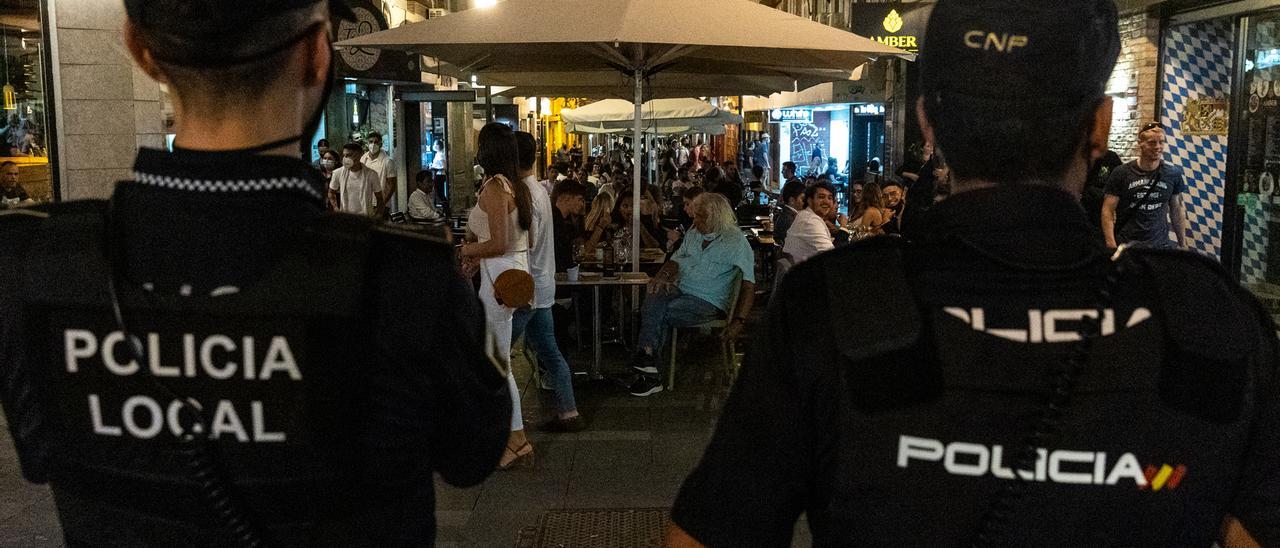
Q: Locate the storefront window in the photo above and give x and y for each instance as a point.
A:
(24, 131)
(1259, 179)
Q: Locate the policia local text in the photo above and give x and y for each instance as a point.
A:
(217, 357)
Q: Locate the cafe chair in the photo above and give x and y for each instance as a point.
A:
(727, 348)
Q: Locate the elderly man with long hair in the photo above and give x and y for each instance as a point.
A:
(695, 286)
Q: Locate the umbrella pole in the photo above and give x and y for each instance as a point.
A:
(636, 169)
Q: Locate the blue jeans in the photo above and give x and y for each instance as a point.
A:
(670, 309)
(540, 336)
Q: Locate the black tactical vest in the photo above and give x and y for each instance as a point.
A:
(933, 413)
(279, 369)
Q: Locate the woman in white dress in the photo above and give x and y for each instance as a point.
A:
(500, 224)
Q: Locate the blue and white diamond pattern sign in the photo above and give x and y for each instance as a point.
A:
(1198, 66)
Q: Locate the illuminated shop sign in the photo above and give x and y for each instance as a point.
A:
(894, 23)
(791, 115)
(870, 109)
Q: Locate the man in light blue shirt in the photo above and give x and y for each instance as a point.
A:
(696, 286)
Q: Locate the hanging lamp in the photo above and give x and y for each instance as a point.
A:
(10, 98)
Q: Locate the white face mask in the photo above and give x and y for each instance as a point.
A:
(375, 149)
(327, 164)
(348, 163)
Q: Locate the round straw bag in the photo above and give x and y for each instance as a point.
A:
(514, 288)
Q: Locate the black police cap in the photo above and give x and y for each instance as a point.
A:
(1017, 54)
(207, 33)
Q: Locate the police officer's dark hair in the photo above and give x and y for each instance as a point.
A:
(322, 140)
(331, 152)
(812, 191)
(223, 84)
(1000, 146)
(373, 134)
(568, 187)
(792, 189)
(791, 165)
(692, 192)
(422, 176)
(891, 182)
(498, 154)
(354, 147)
(757, 170)
(528, 148)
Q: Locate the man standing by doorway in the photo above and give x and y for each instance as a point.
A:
(382, 164)
(354, 187)
(1144, 197)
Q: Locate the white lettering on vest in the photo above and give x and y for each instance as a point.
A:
(206, 357)
(78, 344)
(260, 433)
(226, 421)
(155, 421)
(1042, 325)
(95, 414)
(976, 460)
(279, 357)
(153, 353)
(248, 358)
(910, 447)
(109, 344)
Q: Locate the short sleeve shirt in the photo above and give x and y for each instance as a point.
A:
(542, 254)
(12, 196)
(707, 273)
(1142, 217)
(356, 189)
(383, 165)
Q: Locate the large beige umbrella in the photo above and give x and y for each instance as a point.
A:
(662, 116)
(593, 42)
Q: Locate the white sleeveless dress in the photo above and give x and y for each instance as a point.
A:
(496, 315)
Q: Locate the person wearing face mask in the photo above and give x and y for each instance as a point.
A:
(329, 161)
(381, 162)
(322, 147)
(209, 388)
(355, 187)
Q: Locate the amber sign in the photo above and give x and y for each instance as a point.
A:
(897, 24)
(1205, 117)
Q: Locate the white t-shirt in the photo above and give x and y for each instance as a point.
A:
(542, 252)
(421, 208)
(808, 236)
(356, 189)
(381, 165)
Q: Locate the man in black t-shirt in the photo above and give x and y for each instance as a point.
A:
(568, 201)
(1016, 386)
(1144, 198)
(11, 193)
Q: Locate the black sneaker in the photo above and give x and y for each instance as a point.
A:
(645, 385)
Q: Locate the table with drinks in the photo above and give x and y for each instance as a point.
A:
(596, 281)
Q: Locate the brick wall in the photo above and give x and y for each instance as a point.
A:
(1135, 81)
(107, 108)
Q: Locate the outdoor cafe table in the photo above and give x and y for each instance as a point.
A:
(595, 283)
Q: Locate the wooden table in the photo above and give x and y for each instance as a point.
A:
(595, 284)
(761, 235)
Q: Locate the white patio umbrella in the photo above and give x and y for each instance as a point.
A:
(660, 116)
(643, 40)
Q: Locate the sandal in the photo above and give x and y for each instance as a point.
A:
(520, 456)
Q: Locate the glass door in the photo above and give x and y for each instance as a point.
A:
(1258, 176)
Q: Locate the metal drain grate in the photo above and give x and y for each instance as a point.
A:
(613, 528)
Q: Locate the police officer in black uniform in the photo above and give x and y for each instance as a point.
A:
(208, 358)
(990, 406)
